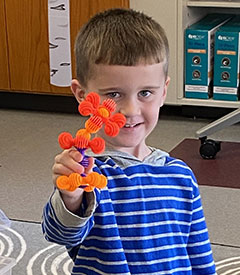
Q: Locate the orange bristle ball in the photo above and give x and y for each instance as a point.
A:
(120, 119)
(85, 108)
(97, 145)
(81, 142)
(111, 129)
(76, 180)
(65, 140)
(94, 98)
(102, 182)
(93, 124)
(103, 112)
(83, 133)
(109, 104)
(63, 183)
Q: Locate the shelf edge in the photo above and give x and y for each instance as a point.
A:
(213, 4)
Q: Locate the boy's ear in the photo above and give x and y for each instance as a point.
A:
(77, 90)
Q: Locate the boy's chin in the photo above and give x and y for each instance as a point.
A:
(122, 144)
(123, 141)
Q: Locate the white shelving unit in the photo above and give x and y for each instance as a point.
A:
(175, 16)
(189, 12)
(214, 3)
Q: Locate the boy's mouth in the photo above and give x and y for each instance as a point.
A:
(131, 125)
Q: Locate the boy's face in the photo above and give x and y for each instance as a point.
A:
(139, 92)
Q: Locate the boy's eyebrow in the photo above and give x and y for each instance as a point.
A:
(108, 89)
(150, 87)
(117, 88)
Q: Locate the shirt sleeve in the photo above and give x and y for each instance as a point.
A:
(199, 248)
(61, 226)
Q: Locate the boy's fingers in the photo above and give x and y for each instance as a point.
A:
(90, 166)
(66, 154)
(60, 169)
(68, 160)
(77, 156)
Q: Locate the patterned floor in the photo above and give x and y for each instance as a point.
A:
(34, 256)
(229, 266)
(24, 242)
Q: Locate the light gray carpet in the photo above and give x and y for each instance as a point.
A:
(34, 256)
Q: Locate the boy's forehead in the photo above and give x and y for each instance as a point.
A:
(112, 69)
(146, 74)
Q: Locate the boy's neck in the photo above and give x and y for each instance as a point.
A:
(140, 152)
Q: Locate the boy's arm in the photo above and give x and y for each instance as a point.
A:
(73, 202)
(68, 215)
(199, 248)
(65, 227)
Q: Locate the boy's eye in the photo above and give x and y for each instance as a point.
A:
(113, 95)
(145, 93)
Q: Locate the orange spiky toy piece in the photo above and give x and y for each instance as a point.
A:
(101, 115)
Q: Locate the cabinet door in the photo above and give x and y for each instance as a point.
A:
(4, 72)
(27, 25)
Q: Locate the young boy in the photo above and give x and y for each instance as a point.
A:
(149, 218)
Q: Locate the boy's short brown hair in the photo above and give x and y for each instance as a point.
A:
(119, 37)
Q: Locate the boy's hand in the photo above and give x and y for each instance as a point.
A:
(67, 163)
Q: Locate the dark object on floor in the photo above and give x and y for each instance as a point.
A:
(209, 148)
(223, 171)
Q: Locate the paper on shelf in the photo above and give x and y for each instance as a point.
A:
(59, 42)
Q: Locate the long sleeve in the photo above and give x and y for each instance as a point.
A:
(63, 227)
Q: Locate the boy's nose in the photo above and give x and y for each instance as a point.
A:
(129, 108)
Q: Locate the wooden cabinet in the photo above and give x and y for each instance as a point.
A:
(24, 52)
(4, 73)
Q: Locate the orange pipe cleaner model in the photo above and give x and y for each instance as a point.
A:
(101, 115)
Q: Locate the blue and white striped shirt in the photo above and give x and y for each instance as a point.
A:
(148, 220)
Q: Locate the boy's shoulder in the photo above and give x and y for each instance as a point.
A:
(124, 160)
(157, 169)
(157, 159)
